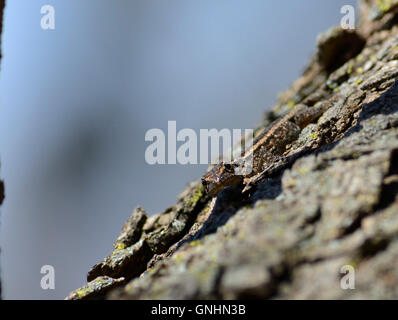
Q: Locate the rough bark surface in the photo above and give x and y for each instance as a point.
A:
(290, 236)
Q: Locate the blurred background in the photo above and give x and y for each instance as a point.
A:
(76, 102)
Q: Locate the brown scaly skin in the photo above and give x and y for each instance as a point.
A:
(267, 148)
(221, 176)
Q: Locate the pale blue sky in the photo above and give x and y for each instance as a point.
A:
(76, 103)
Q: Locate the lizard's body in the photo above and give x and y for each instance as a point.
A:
(267, 148)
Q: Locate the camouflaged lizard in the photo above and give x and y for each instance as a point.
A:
(267, 149)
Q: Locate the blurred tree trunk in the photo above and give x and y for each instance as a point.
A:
(2, 4)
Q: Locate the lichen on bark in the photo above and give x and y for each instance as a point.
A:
(334, 205)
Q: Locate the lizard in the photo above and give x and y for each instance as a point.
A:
(266, 149)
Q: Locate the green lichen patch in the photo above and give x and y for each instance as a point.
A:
(128, 262)
(196, 197)
(382, 7)
(95, 289)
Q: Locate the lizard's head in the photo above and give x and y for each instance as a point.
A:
(220, 177)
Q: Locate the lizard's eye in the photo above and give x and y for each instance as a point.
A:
(228, 166)
(204, 182)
